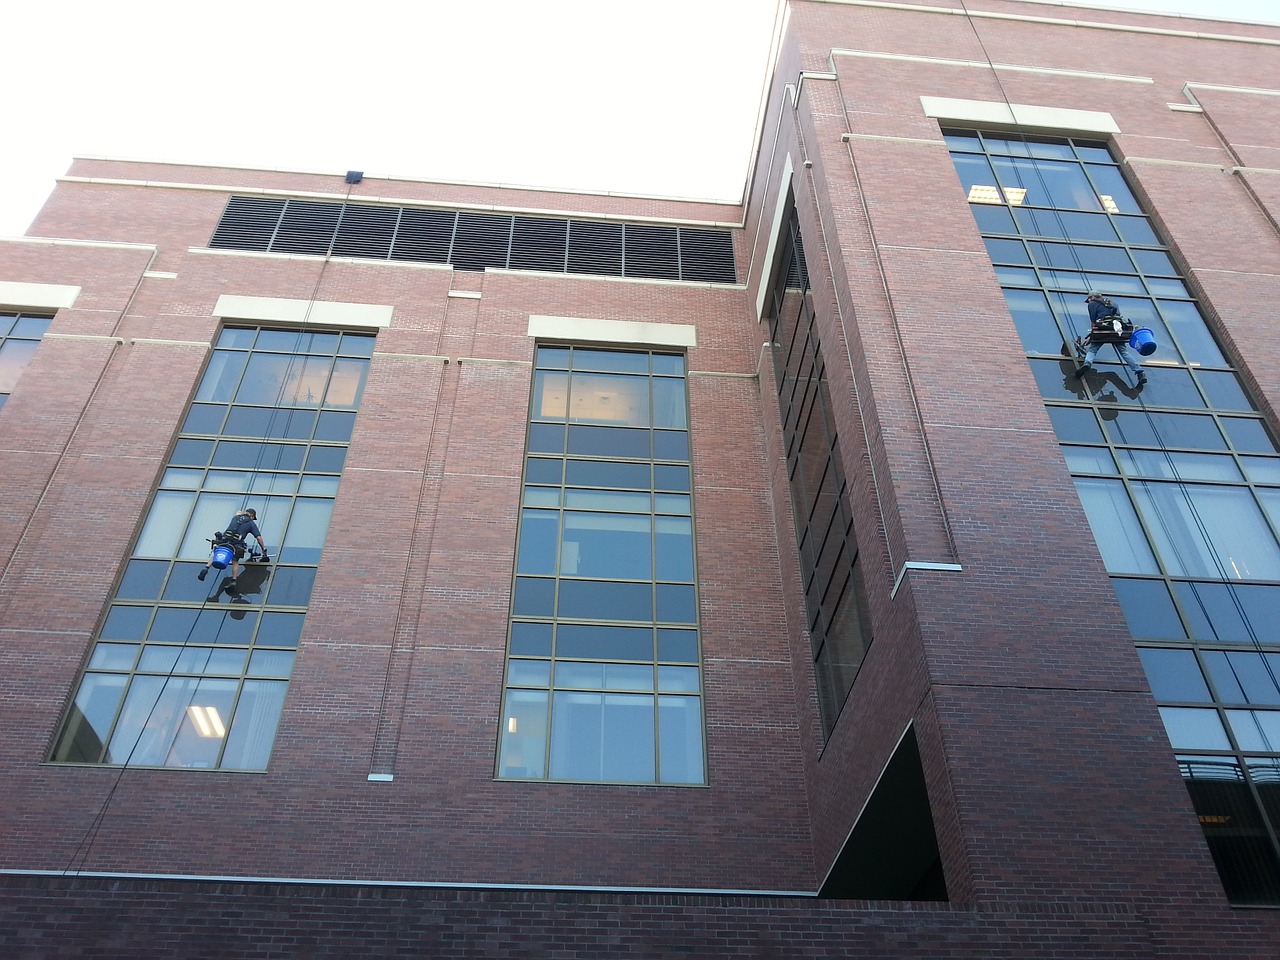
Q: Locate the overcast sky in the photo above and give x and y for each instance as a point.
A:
(651, 96)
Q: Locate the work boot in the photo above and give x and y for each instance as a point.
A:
(202, 573)
(1142, 377)
(1083, 370)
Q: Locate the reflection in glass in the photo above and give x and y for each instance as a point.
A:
(592, 527)
(175, 713)
(1115, 526)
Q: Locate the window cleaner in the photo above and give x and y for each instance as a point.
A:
(1107, 326)
(229, 546)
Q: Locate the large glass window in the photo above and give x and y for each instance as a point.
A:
(186, 673)
(604, 678)
(839, 625)
(1179, 478)
(20, 334)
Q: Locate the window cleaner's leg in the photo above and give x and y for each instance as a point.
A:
(1127, 356)
(1091, 351)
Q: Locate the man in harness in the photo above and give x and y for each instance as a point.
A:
(1107, 326)
(243, 525)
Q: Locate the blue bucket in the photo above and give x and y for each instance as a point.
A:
(1144, 341)
(222, 556)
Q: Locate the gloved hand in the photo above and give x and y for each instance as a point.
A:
(264, 559)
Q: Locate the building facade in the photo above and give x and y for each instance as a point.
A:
(650, 576)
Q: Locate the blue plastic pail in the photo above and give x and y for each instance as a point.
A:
(1144, 341)
(222, 556)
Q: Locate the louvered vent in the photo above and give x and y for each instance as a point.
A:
(476, 241)
(595, 248)
(705, 255)
(248, 223)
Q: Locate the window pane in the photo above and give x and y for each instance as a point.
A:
(598, 642)
(1148, 609)
(1115, 526)
(583, 599)
(1174, 675)
(609, 442)
(1176, 465)
(613, 400)
(1203, 530)
(1256, 730)
(670, 407)
(222, 376)
(1194, 728)
(85, 733)
(346, 385)
(1089, 459)
(1226, 612)
(1048, 183)
(1072, 424)
(254, 728)
(1034, 320)
(539, 538)
(603, 736)
(1241, 677)
(680, 740)
(550, 395)
(166, 521)
(306, 533)
(1234, 829)
(524, 734)
(606, 545)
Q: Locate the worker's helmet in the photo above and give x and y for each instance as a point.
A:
(252, 512)
(1095, 295)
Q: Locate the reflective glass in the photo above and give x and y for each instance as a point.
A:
(1148, 609)
(1036, 326)
(1174, 675)
(1075, 424)
(1048, 183)
(1196, 343)
(1205, 530)
(1262, 469)
(1194, 728)
(1064, 224)
(1089, 459)
(92, 714)
(680, 740)
(1226, 612)
(595, 599)
(253, 729)
(1248, 436)
(1147, 429)
(524, 734)
(1115, 526)
(531, 639)
(1176, 465)
(1224, 390)
(603, 736)
(1256, 730)
(1245, 677)
(679, 646)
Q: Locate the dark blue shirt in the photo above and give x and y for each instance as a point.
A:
(242, 526)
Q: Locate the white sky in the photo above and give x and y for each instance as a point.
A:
(649, 96)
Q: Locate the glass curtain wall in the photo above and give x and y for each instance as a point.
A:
(836, 599)
(183, 672)
(1180, 478)
(604, 678)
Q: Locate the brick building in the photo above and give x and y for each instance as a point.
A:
(652, 577)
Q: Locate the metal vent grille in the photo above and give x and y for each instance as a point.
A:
(476, 241)
(595, 248)
(248, 223)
